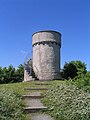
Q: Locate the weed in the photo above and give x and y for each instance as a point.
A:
(67, 102)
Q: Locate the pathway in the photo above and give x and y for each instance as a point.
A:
(33, 103)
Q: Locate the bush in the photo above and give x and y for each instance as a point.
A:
(82, 81)
(11, 106)
(73, 69)
(67, 102)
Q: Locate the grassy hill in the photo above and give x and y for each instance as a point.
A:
(65, 101)
(11, 104)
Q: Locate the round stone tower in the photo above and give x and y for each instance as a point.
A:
(46, 54)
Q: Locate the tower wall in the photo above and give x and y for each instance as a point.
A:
(46, 54)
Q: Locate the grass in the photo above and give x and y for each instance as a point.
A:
(11, 104)
(19, 87)
(82, 82)
(67, 102)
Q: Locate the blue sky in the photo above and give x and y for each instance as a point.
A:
(19, 19)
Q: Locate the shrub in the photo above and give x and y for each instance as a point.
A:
(67, 102)
(11, 106)
(82, 81)
(73, 69)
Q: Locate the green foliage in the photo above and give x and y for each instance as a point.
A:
(19, 74)
(73, 69)
(67, 102)
(82, 81)
(11, 75)
(11, 106)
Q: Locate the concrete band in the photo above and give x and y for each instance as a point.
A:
(46, 42)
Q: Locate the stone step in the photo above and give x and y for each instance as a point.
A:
(32, 96)
(34, 109)
(31, 79)
(30, 76)
(40, 116)
(42, 84)
(35, 88)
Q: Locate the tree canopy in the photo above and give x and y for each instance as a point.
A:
(73, 68)
(11, 75)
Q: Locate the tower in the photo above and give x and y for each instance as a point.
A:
(46, 54)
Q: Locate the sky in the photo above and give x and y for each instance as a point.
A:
(19, 19)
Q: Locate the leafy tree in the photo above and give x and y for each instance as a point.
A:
(88, 74)
(1, 74)
(11, 72)
(19, 73)
(5, 75)
(11, 75)
(8, 74)
(73, 69)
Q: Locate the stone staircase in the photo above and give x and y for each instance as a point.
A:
(34, 104)
(30, 75)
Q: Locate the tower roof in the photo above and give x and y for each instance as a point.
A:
(46, 31)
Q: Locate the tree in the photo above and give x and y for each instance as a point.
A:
(1, 74)
(5, 75)
(8, 74)
(11, 75)
(73, 69)
(19, 73)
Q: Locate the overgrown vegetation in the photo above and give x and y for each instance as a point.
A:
(11, 75)
(70, 99)
(67, 102)
(11, 106)
(82, 81)
(73, 69)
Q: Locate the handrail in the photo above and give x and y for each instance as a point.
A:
(27, 64)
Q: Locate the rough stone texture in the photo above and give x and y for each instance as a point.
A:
(34, 105)
(33, 102)
(27, 77)
(34, 94)
(40, 117)
(46, 54)
(47, 35)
